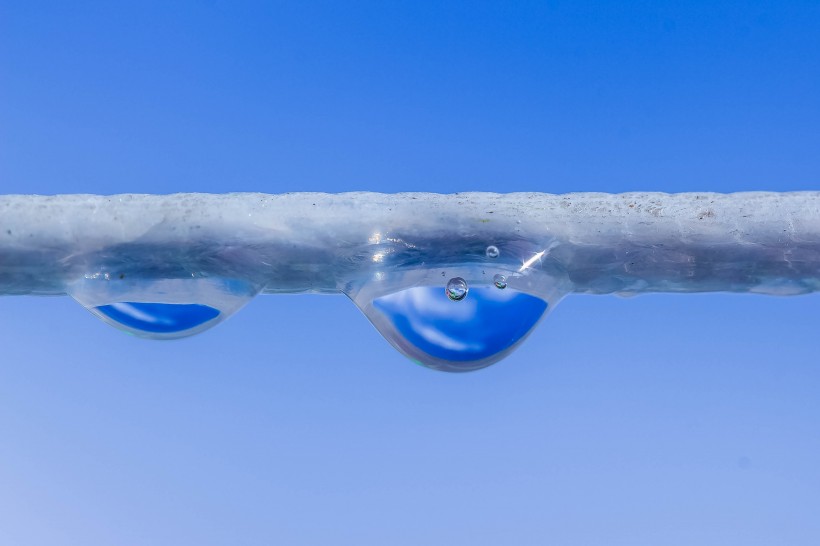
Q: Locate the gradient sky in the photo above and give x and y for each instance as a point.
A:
(659, 419)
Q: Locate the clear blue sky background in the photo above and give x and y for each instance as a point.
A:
(661, 419)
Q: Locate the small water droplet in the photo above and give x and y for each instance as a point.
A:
(457, 289)
(158, 318)
(500, 281)
(162, 308)
(492, 251)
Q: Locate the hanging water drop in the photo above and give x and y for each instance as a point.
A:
(161, 308)
(158, 318)
(457, 289)
(492, 251)
(500, 281)
(422, 323)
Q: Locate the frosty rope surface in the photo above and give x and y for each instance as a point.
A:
(626, 243)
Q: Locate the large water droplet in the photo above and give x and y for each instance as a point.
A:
(162, 308)
(500, 281)
(492, 251)
(457, 289)
(423, 324)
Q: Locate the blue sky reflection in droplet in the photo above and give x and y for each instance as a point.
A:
(158, 318)
(485, 323)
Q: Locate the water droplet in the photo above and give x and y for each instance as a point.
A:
(457, 289)
(158, 318)
(492, 251)
(500, 281)
(424, 325)
(162, 308)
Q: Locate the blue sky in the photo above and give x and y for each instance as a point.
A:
(652, 420)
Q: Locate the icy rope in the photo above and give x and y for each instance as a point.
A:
(453, 281)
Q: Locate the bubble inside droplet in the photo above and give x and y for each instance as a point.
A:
(492, 251)
(500, 281)
(457, 289)
(162, 308)
(423, 324)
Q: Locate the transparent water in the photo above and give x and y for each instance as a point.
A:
(474, 332)
(158, 318)
(160, 308)
(457, 289)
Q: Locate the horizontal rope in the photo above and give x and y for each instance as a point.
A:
(594, 243)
